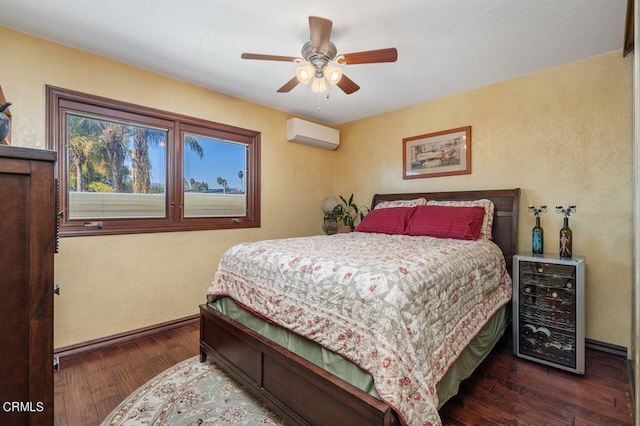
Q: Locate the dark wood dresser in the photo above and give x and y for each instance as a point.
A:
(27, 246)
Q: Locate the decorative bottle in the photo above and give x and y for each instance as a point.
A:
(566, 239)
(537, 238)
(537, 233)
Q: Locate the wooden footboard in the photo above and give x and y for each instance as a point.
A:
(298, 390)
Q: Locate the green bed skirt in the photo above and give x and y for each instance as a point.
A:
(470, 358)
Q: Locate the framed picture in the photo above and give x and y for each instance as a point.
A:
(443, 153)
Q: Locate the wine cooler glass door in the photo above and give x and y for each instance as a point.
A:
(547, 306)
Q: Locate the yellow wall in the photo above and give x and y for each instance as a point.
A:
(112, 284)
(563, 135)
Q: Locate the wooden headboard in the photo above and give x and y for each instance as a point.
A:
(505, 221)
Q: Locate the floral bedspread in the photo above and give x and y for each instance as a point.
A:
(402, 308)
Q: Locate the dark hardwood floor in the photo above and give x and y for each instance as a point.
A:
(504, 390)
(88, 387)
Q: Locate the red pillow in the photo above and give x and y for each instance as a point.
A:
(392, 220)
(462, 223)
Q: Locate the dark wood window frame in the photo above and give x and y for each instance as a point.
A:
(60, 101)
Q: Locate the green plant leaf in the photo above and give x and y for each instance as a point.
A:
(348, 212)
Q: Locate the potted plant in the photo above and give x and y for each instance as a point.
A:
(347, 213)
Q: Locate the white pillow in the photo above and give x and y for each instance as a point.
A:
(401, 203)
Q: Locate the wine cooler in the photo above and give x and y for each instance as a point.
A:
(548, 310)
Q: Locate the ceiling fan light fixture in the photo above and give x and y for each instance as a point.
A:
(333, 74)
(318, 53)
(318, 85)
(305, 74)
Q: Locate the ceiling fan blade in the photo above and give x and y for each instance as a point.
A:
(268, 57)
(320, 32)
(289, 85)
(370, 57)
(347, 85)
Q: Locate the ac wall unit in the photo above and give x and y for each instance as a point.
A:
(312, 134)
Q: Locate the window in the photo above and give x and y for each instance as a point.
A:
(124, 168)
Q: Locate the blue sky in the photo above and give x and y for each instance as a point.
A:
(221, 159)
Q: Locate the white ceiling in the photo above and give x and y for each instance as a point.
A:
(444, 46)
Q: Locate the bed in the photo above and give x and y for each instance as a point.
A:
(299, 386)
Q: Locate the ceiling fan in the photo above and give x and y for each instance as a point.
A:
(318, 53)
